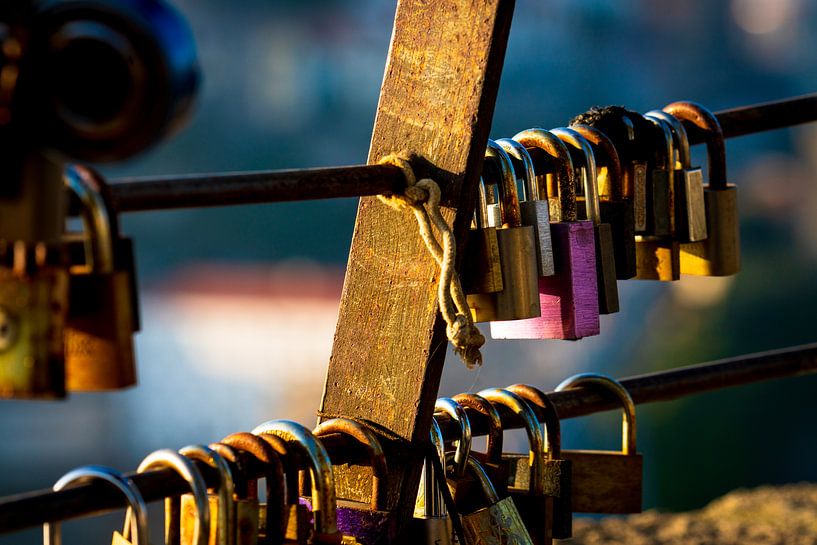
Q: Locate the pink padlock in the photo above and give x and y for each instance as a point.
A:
(568, 299)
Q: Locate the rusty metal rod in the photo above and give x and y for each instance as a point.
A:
(34, 508)
(201, 190)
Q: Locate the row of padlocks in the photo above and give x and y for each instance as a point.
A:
(612, 197)
(476, 498)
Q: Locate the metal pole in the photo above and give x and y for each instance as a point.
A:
(35, 508)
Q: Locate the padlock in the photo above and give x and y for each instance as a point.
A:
(170, 459)
(569, 299)
(271, 524)
(246, 523)
(690, 211)
(33, 307)
(460, 482)
(557, 472)
(526, 470)
(605, 258)
(533, 210)
(136, 503)
(660, 211)
(221, 501)
(102, 307)
(605, 481)
(491, 459)
(495, 521)
(431, 524)
(519, 297)
(373, 523)
(322, 482)
(719, 254)
(616, 209)
(481, 272)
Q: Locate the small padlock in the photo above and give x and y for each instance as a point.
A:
(246, 515)
(482, 271)
(690, 210)
(491, 459)
(526, 470)
(102, 314)
(33, 306)
(616, 208)
(460, 482)
(557, 472)
(606, 481)
(136, 503)
(221, 501)
(495, 521)
(605, 258)
(568, 300)
(431, 524)
(369, 524)
(517, 248)
(660, 210)
(719, 254)
(533, 210)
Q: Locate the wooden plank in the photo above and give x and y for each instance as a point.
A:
(437, 101)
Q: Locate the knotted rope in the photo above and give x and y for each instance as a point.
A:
(423, 197)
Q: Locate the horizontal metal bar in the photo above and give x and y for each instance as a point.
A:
(35, 508)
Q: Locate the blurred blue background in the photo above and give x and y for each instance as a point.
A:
(239, 303)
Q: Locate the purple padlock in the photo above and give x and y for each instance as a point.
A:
(568, 299)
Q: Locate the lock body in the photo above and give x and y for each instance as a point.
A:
(719, 254)
(536, 213)
(620, 215)
(482, 271)
(690, 207)
(557, 511)
(605, 269)
(658, 258)
(495, 524)
(636, 175)
(660, 203)
(606, 481)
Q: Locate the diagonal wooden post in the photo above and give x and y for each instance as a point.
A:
(437, 101)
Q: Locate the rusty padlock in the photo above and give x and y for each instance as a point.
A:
(491, 459)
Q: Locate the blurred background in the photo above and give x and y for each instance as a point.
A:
(239, 304)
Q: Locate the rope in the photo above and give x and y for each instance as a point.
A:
(423, 197)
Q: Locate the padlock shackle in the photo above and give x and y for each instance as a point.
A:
(288, 459)
(665, 151)
(377, 456)
(590, 180)
(565, 181)
(679, 136)
(520, 153)
(477, 403)
(536, 443)
(481, 211)
(324, 501)
(448, 406)
(511, 215)
(170, 459)
(628, 430)
(98, 217)
(478, 472)
(553, 426)
(608, 149)
(85, 474)
(703, 118)
(226, 489)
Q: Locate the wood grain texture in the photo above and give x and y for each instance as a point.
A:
(437, 102)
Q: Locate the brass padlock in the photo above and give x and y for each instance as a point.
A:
(557, 472)
(519, 298)
(660, 210)
(33, 306)
(491, 459)
(482, 271)
(246, 511)
(495, 521)
(719, 254)
(605, 258)
(607, 481)
(221, 501)
(102, 307)
(431, 524)
(690, 210)
(616, 208)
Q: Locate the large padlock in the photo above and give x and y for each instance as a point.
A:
(557, 472)
(369, 524)
(246, 510)
(221, 500)
(491, 459)
(136, 524)
(607, 481)
(690, 210)
(603, 234)
(568, 300)
(33, 306)
(526, 470)
(616, 208)
(533, 209)
(482, 270)
(660, 211)
(719, 254)
(431, 524)
(102, 314)
(517, 249)
(495, 521)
